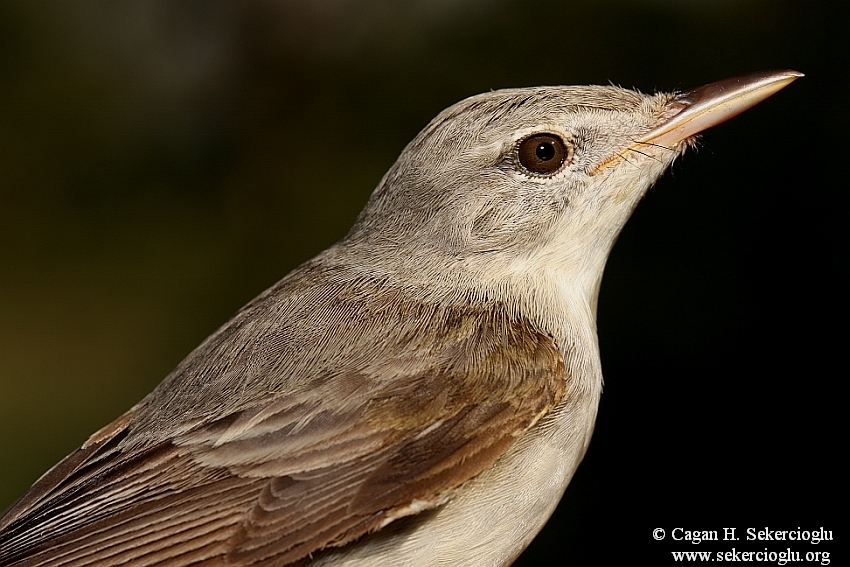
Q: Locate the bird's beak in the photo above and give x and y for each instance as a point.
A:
(693, 111)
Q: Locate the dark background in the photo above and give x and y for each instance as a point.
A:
(161, 163)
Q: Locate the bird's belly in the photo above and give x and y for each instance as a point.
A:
(493, 517)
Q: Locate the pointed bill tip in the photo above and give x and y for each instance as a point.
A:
(701, 108)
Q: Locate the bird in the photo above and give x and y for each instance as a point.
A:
(421, 392)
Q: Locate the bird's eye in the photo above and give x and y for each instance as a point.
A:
(543, 154)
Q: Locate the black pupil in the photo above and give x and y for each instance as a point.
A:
(542, 154)
(545, 151)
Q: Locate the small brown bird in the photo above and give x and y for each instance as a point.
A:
(418, 394)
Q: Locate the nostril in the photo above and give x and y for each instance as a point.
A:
(673, 108)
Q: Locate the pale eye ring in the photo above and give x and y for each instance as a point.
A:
(543, 154)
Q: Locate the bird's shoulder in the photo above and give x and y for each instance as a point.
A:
(333, 404)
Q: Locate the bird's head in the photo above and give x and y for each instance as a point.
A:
(531, 179)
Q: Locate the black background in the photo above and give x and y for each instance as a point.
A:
(161, 163)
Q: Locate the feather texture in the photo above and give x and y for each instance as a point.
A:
(278, 476)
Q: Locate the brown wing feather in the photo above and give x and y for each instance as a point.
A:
(200, 473)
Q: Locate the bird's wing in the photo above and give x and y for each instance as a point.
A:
(282, 473)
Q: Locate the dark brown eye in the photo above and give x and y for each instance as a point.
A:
(543, 154)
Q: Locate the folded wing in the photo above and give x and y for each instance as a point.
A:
(327, 408)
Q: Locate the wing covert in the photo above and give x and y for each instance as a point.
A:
(303, 463)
